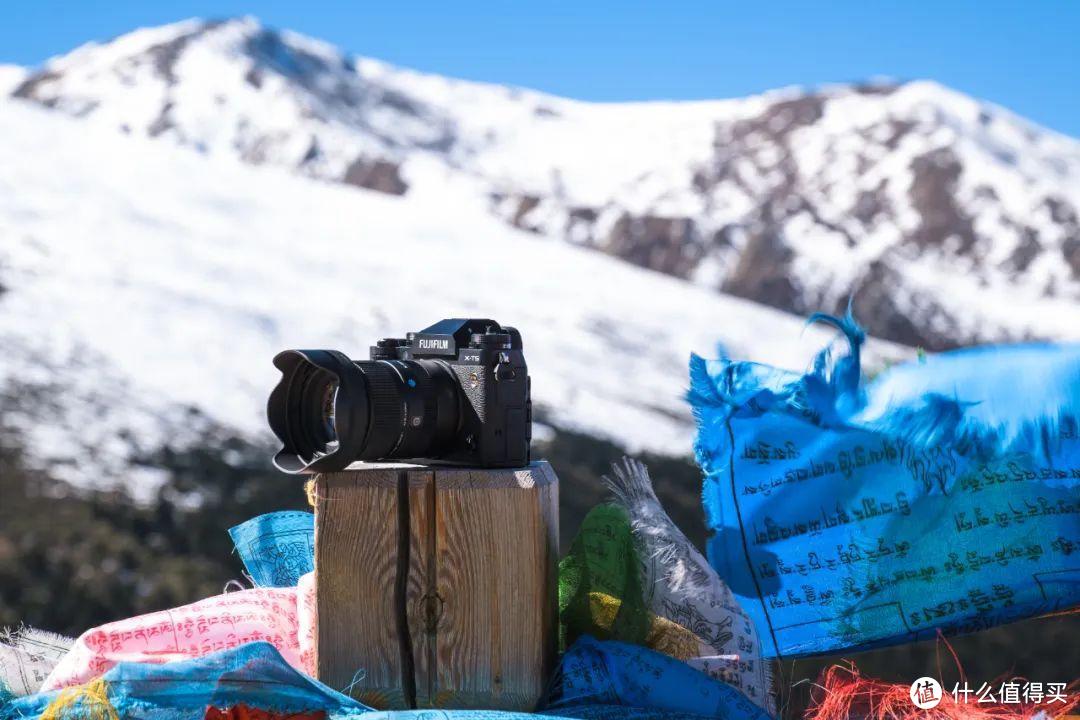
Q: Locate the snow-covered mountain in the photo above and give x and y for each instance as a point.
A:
(141, 281)
(10, 77)
(951, 221)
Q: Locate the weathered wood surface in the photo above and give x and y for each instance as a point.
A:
(459, 608)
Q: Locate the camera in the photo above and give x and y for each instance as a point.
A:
(456, 393)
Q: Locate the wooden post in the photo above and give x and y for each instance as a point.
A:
(437, 586)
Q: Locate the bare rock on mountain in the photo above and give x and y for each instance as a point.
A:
(763, 271)
(379, 175)
(668, 244)
(936, 176)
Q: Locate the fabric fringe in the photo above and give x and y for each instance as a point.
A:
(82, 702)
(632, 488)
(40, 643)
(1024, 398)
(27, 656)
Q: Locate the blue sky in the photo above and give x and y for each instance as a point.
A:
(1023, 55)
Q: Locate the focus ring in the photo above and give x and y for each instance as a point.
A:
(387, 409)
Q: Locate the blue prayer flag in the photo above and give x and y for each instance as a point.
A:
(254, 674)
(619, 676)
(276, 548)
(945, 495)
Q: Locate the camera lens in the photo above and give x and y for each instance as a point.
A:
(329, 411)
(329, 401)
(317, 394)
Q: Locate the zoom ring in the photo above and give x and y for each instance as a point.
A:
(387, 410)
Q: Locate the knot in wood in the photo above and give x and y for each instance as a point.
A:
(432, 606)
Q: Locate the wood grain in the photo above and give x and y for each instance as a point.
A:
(495, 548)
(481, 589)
(356, 533)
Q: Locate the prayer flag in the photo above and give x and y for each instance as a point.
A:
(945, 495)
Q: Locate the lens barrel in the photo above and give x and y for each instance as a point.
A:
(330, 411)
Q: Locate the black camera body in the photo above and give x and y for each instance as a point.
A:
(496, 420)
(457, 392)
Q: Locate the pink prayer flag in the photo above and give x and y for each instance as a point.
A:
(284, 617)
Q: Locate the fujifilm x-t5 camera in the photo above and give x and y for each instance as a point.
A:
(457, 392)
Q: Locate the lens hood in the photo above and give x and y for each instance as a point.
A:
(304, 374)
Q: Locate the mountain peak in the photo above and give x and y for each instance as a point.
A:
(217, 85)
(798, 198)
(237, 40)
